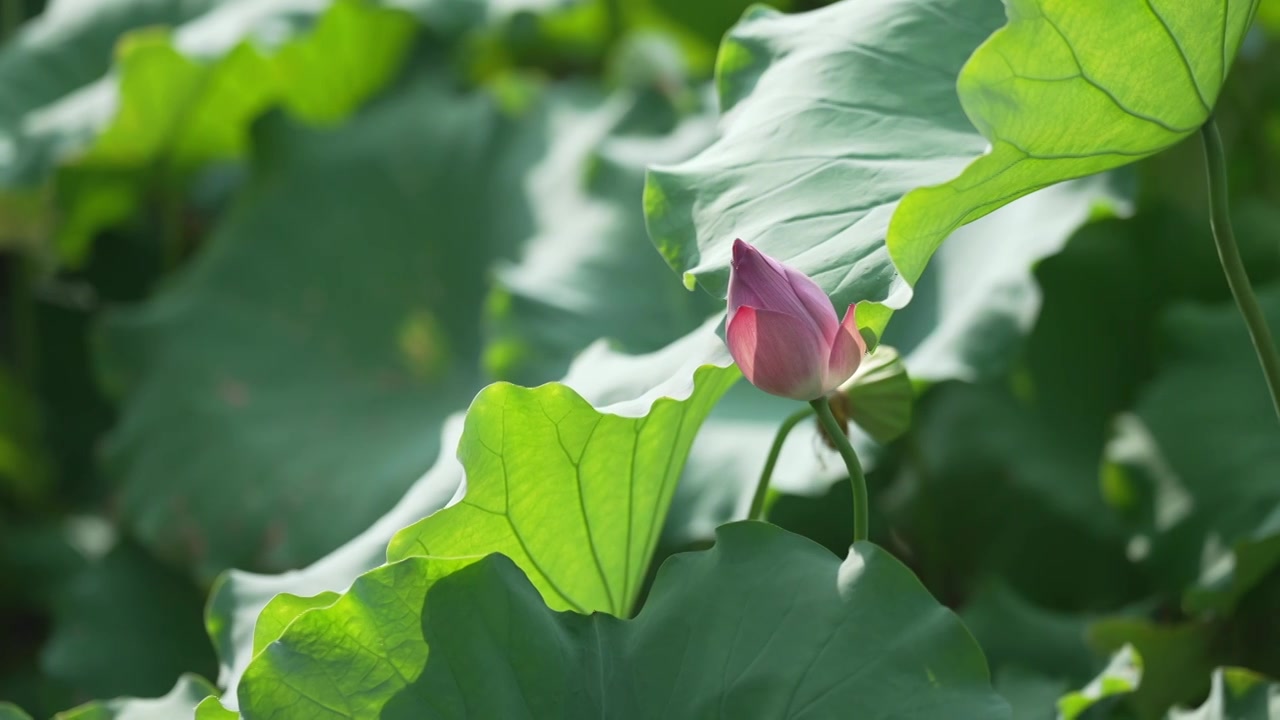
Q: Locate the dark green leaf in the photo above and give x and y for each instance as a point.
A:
(1176, 660)
(9, 711)
(813, 637)
(315, 347)
(1237, 694)
(126, 626)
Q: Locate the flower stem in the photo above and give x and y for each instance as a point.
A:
(762, 487)
(1232, 265)
(861, 515)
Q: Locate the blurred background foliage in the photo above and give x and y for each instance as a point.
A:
(253, 253)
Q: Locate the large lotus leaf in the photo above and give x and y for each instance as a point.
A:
(1236, 694)
(650, 408)
(583, 188)
(126, 625)
(576, 492)
(312, 351)
(1030, 696)
(972, 309)
(1053, 95)
(765, 624)
(588, 270)
(796, 127)
(246, 608)
(965, 321)
(242, 603)
(1057, 93)
(178, 703)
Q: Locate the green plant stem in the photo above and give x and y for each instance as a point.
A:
(762, 487)
(1232, 265)
(861, 515)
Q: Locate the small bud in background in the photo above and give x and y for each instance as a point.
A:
(783, 331)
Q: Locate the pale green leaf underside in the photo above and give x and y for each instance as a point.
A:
(765, 624)
(575, 495)
(212, 709)
(1070, 88)
(1121, 676)
(844, 143)
(178, 703)
(830, 117)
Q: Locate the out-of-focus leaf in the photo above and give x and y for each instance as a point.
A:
(127, 626)
(1030, 696)
(1017, 634)
(710, 19)
(1176, 660)
(549, 311)
(1209, 393)
(1121, 677)
(180, 702)
(315, 347)
(1237, 570)
(578, 494)
(978, 299)
(588, 271)
(1236, 694)
(817, 636)
(9, 711)
(65, 49)
(177, 113)
(24, 469)
(36, 565)
(980, 448)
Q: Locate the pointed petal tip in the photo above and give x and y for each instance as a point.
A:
(741, 248)
(847, 350)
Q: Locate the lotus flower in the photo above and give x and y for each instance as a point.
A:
(783, 331)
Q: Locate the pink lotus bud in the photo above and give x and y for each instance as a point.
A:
(783, 331)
